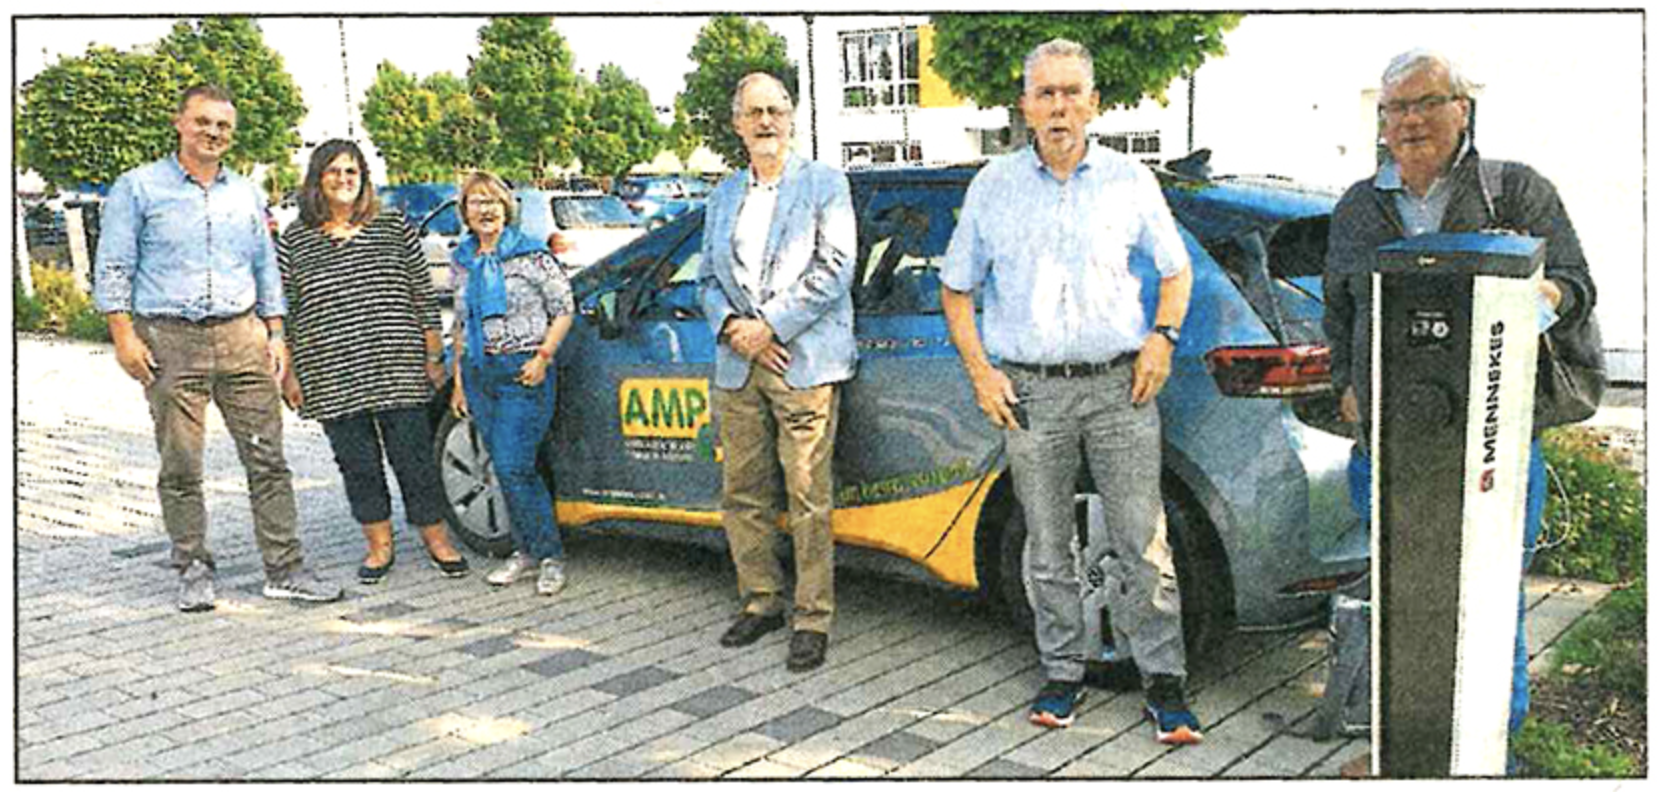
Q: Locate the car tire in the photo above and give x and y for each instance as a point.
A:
(1200, 573)
(474, 505)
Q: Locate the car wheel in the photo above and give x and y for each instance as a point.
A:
(1200, 572)
(474, 505)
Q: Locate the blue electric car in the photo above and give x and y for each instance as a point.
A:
(1254, 458)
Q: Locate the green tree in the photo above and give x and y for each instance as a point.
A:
(727, 48)
(683, 140)
(523, 79)
(399, 115)
(230, 52)
(622, 129)
(463, 139)
(1136, 54)
(91, 118)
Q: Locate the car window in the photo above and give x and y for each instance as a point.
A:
(598, 211)
(673, 293)
(902, 240)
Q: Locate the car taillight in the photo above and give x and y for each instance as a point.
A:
(1270, 372)
(560, 244)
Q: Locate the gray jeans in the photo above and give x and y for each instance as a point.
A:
(1094, 416)
(224, 362)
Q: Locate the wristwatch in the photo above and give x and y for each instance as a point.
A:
(1169, 332)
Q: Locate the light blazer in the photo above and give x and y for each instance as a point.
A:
(808, 263)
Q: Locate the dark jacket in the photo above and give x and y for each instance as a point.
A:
(1366, 218)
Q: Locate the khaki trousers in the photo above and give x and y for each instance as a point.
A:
(777, 442)
(225, 362)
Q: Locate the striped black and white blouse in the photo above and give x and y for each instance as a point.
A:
(357, 311)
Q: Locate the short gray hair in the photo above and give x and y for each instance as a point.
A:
(1056, 48)
(1413, 61)
(750, 79)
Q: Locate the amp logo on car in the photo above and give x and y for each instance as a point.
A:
(663, 407)
(666, 420)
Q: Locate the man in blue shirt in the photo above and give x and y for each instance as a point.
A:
(1069, 360)
(185, 265)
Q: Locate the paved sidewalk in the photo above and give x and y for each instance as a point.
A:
(619, 677)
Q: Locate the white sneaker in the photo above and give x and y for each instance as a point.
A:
(511, 570)
(552, 578)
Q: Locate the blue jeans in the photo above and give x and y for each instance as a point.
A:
(1360, 492)
(512, 419)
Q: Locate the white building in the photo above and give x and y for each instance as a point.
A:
(1296, 96)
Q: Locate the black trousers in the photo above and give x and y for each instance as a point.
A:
(404, 439)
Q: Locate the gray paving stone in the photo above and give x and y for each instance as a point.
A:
(898, 747)
(799, 724)
(38, 755)
(635, 681)
(488, 647)
(713, 701)
(563, 662)
(1005, 769)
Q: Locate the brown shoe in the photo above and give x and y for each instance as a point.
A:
(1358, 767)
(806, 650)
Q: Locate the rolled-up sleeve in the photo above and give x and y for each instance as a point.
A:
(268, 297)
(121, 223)
(1159, 239)
(967, 258)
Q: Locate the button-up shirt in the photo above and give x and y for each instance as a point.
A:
(749, 237)
(1419, 215)
(168, 247)
(1054, 256)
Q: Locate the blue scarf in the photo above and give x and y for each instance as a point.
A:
(486, 293)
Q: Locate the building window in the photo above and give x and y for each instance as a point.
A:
(1141, 145)
(879, 68)
(880, 153)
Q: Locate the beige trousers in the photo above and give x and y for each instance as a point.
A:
(777, 443)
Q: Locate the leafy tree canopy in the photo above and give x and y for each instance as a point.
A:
(523, 79)
(230, 52)
(728, 48)
(1135, 54)
(91, 118)
(622, 129)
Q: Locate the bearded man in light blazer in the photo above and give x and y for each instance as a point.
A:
(776, 278)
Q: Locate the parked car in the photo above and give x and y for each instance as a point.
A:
(659, 200)
(580, 228)
(1254, 458)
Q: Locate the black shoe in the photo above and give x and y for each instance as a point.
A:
(1116, 675)
(806, 650)
(750, 627)
(450, 569)
(369, 576)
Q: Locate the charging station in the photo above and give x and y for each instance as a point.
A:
(1454, 356)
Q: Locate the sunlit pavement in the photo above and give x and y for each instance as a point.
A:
(618, 677)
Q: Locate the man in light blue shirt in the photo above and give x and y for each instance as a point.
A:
(187, 278)
(1068, 360)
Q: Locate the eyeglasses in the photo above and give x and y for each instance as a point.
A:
(1423, 105)
(776, 111)
(483, 203)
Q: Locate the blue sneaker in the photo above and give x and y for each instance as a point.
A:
(1173, 722)
(1057, 704)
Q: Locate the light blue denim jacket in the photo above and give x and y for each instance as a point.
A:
(169, 248)
(808, 269)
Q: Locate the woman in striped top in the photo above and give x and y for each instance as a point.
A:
(512, 309)
(363, 330)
